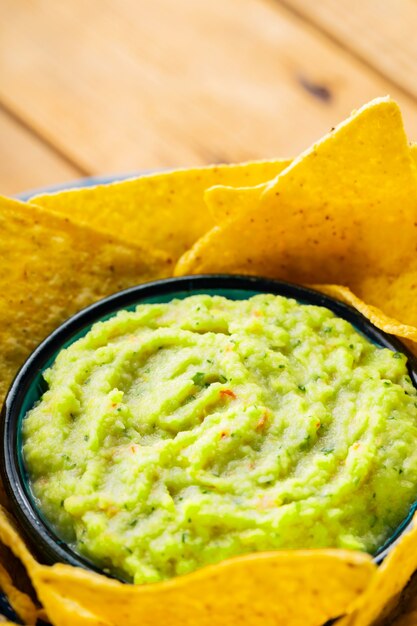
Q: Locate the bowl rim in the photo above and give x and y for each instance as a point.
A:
(48, 547)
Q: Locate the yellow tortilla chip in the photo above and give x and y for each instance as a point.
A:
(21, 603)
(164, 210)
(10, 538)
(63, 611)
(344, 212)
(228, 201)
(51, 268)
(264, 587)
(376, 316)
(384, 591)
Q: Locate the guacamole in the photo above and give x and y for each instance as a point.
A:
(184, 433)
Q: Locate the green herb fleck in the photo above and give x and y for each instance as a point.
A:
(199, 379)
(327, 450)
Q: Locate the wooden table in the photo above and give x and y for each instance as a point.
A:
(102, 86)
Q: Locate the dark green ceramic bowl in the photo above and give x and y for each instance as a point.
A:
(29, 386)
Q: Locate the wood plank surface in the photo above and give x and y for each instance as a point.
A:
(381, 32)
(121, 85)
(26, 162)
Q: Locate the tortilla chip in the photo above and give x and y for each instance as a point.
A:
(384, 591)
(374, 315)
(227, 201)
(10, 538)
(164, 210)
(343, 212)
(20, 602)
(264, 587)
(63, 611)
(51, 268)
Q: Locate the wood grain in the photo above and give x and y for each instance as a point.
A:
(123, 85)
(381, 32)
(26, 162)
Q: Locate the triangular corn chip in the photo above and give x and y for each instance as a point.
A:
(374, 315)
(164, 210)
(225, 201)
(50, 268)
(19, 601)
(384, 592)
(260, 588)
(343, 212)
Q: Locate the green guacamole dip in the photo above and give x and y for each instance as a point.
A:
(185, 433)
